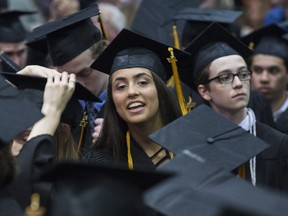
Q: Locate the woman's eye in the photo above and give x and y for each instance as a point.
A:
(143, 82)
(120, 86)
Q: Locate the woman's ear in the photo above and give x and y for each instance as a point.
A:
(204, 92)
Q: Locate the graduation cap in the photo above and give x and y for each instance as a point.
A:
(268, 40)
(16, 112)
(130, 49)
(82, 189)
(222, 142)
(33, 82)
(155, 18)
(69, 36)
(197, 19)
(207, 190)
(214, 42)
(11, 28)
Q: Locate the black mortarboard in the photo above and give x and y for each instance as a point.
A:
(197, 19)
(207, 190)
(11, 28)
(268, 40)
(130, 49)
(82, 189)
(222, 142)
(16, 112)
(214, 42)
(69, 36)
(33, 82)
(155, 18)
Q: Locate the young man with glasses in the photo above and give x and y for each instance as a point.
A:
(221, 76)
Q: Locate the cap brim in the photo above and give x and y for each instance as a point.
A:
(17, 113)
(221, 142)
(25, 81)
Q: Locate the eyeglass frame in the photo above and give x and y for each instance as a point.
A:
(237, 74)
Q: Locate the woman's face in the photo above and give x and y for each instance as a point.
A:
(135, 95)
(229, 98)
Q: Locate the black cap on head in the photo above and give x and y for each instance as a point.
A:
(69, 36)
(11, 28)
(25, 81)
(224, 143)
(16, 112)
(214, 42)
(197, 19)
(268, 40)
(130, 49)
(205, 189)
(105, 190)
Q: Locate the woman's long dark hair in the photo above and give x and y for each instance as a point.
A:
(113, 134)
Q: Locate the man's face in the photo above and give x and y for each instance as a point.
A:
(91, 79)
(228, 98)
(269, 76)
(16, 51)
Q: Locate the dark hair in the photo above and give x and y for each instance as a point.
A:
(64, 145)
(113, 134)
(7, 165)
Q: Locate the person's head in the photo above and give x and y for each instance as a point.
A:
(114, 19)
(220, 73)
(13, 37)
(73, 43)
(137, 95)
(269, 64)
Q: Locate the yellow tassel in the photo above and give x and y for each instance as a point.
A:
(175, 37)
(129, 155)
(241, 171)
(83, 124)
(251, 45)
(178, 87)
(104, 32)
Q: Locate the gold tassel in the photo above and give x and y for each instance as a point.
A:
(83, 124)
(103, 29)
(34, 208)
(175, 37)
(241, 171)
(178, 87)
(129, 154)
(251, 45)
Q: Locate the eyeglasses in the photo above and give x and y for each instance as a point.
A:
(229, 77)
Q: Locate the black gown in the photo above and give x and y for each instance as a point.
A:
(34, 159)
(272, 164)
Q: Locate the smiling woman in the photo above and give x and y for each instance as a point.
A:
(138, 102)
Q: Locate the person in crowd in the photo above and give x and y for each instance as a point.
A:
(67, 54)
(269, 65)
(37, 154)
(138, 101)
(221, 76)
(13, 37)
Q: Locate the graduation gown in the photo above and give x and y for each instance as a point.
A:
(281, 123)
(8, 206)
(34, 159)
(139, 157)
(272, 163)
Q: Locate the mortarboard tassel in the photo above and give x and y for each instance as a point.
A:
(251, 45)
(34, 208)
(83, 124)
(103, 29)
(170, 82)
(129, 155)
(175, 37)
(241, 171)
(178, 87)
